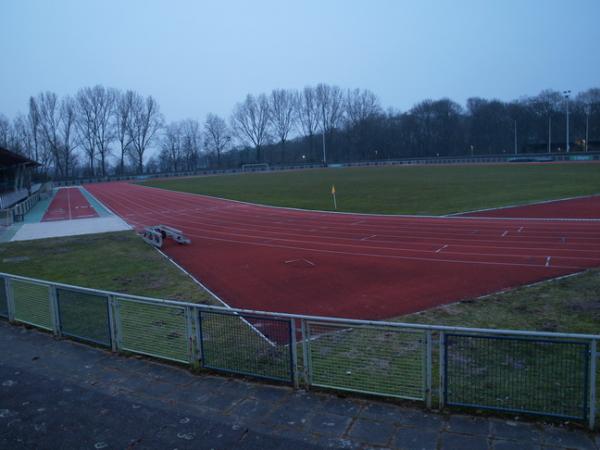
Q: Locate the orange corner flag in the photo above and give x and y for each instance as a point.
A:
(332, 189)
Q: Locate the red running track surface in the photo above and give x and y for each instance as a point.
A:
(68, 204)
(350, 265)
(575, 208)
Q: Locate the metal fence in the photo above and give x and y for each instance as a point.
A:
(546, 374)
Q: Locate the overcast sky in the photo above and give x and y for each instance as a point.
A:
(198, 56)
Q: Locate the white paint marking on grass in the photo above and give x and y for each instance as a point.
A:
(505, 233)
(441, 248)
(368, 237)
(548, 258)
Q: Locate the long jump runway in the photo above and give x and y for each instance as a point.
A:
(350, 265)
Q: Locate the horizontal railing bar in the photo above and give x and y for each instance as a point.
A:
(335, 320)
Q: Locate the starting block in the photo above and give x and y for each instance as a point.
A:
(157, 234)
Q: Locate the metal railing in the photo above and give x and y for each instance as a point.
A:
(540, 373)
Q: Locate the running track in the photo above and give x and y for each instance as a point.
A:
(68, 204)
(349, 265)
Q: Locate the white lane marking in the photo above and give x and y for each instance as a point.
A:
(368, 237)
(441, 248)
(505, 233)
(520, 229)
(309, 262)
(290, 261)
(548, 258)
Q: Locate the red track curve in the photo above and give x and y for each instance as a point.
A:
(69, 204)
(352, 265)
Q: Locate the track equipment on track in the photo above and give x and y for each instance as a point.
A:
(156, 235)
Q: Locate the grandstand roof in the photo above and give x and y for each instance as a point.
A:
(8, 158)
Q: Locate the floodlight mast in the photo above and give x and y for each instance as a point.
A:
(566, 94)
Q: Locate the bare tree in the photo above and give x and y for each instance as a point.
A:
(5, 132)
(250, 120)
(216, 136)
(191, 143)
(33, 119)
(48, 108)
(307, 113)
(361, 105)
(68, 115)
(85, 122)
(122, 124)
(281, 115)
(330, 103)
(146, 121)
(170, 144)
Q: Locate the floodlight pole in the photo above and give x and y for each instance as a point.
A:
(566, 93)
(324, 150)
(515, 136)
(549, 134)
(587, 126)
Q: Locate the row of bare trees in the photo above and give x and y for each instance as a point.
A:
(103, 131)
(85, 130)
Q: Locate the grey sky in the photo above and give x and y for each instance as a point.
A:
(197, 57)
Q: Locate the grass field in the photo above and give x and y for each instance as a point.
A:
(432, 190)
(119, 262)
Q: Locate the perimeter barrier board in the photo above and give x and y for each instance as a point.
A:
(158, 330)
(84, 316)
(254, 345)
(3, 299)
(522, 375)
(372, 360)
(32, 303)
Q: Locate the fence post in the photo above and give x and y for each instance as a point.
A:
(592, 378)
(199, 347)
(294, 354)
(305, 350)
(428, 369)
(442, 396)
(118, 328)
(54, 311)
(10, 301)
(189, 334)
(112, 325)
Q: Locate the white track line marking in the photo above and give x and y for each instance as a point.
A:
(548, 258)
(368, 237)
(520, 229)
(290, 261)
(505, 233)
(309, 262)
(441, 248)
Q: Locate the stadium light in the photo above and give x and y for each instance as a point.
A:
(566, 94)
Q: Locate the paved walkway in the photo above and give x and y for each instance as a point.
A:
(60, 394)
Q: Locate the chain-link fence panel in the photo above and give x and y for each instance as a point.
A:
(84, 316)
(32, 303)
(374, 360)
(246, 344)
(153, 329)
(3, 299)
(537, 376)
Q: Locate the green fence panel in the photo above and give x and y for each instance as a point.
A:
(522, 375)
(254, 345)
(84, 316)
(32, 303)
(154, 330)
(3, 299)
(374, 360)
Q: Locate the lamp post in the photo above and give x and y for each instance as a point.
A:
(324, 150)
(515, 137)
(566, 94)
(587, 125)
